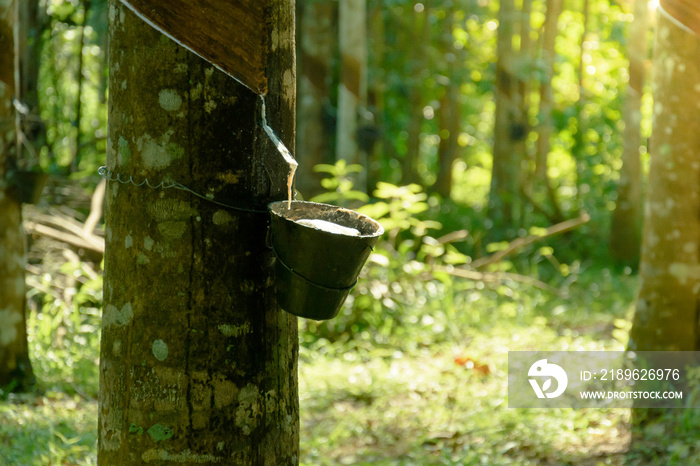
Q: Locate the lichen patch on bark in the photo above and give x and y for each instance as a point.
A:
(114, 316)
(248, 412)
(185, 456)
(158, 154)
(160, 350)
(169, 100)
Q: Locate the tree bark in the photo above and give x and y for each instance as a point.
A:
(578, 148)
(667, 309)
(626, 231)
(449, 132)
(317, 40)
(198, 364)
(352, 92)
(546, 96)
(15, 368)
(31, 23)
(449, 113)
(505, 173)
(418, 68)
(376, 92)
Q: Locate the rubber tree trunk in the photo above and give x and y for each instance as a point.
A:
(379, 147)
(416, 37)
(578, 148)
(546, 123)
(32, 22)
(15, 368)
(505, 173)
(198, 365)
(352, 92)
(449, 112)
(316, 36)
(626, 232)
(449, 132)
(667, 310)
(521, 101)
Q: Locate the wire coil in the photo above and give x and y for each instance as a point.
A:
(109, 175)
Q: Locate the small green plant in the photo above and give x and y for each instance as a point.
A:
(397, 209)
(339, 185)
(63, 327)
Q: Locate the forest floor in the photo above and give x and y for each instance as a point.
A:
(405, 402)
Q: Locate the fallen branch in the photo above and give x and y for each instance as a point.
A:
(497, 277)
(519, 243)
(93, 243)
(95, 208)
(58, 220)
(454, 236)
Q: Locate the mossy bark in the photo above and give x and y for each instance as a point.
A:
(197, 365)
(15, 368)
(667, 309)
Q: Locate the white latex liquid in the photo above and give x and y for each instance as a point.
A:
(328, 226)
(290, 180)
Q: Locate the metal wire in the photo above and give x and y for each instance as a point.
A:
(109, 175)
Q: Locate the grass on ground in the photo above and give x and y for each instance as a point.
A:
(401, 400)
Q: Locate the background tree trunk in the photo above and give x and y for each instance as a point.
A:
(317, 41)
(198, 364)
(578, 148)
(449, 132)
(32, 21)
(505, 173)
(352, 92)
(15, 368)
(376, 92)
(549, 37)
(418, 70)
(626, 232)
(449, 112)
(667, 309)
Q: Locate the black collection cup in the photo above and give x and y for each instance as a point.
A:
(316, 269)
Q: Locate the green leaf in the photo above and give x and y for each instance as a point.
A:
(500, 246)
(325, 168)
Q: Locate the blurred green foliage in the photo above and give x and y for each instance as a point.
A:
(73, 69)
(338, 185)
(64, 326)
(586, 142)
